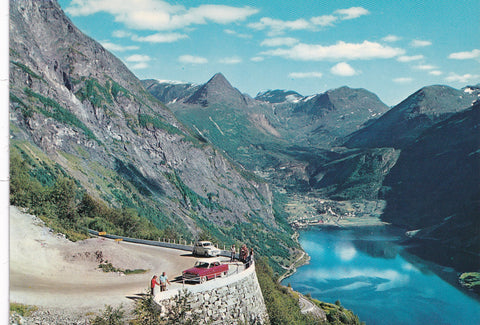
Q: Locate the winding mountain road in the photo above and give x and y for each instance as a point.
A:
(308, 307)
(46, 270)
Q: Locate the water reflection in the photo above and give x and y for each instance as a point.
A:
(384, 249)
(345, 251)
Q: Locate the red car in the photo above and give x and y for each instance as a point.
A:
(205, 270)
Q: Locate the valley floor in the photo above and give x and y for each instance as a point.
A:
(306, 211)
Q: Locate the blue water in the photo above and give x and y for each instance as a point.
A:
(371, 274)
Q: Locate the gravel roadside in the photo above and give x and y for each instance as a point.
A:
(63, 280)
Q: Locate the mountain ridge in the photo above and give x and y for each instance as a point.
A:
(405, 121)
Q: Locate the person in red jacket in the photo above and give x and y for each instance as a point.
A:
(153, 283)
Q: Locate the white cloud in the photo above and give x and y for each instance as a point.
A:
(303, 75)
(159, 15)
(279, 41)
(139, 61)
(453, 77)
(277, 26)
(257, 59)
(391, 38)
(343, 69)
(465, 55)
(160, 38)
(232, 32)
(436, 73)
(118, 48)
(340, 51)
(219, 14)
(420, 43)
(326, 20)
(406, 58)
(140, 65)
(138, 58)
(192, 59)
(121, 33)
(231, 60)
(425, 67)
(351, 13)
(402, 80)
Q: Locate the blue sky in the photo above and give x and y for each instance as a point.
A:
(391, 48)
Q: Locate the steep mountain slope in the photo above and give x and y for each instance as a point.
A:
(324, 119)
(404, 123)
(76, 104)
(435, 185)
(353, 174)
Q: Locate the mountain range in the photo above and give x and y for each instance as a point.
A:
(208, 159)
(346, 145)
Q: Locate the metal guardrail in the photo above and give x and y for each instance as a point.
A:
(179, 246)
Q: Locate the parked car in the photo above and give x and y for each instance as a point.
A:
(205, 248)
(204, 270)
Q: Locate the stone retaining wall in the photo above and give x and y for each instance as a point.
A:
(231, 300)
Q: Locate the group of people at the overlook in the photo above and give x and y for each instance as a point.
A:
(160, 281)
(245, 256)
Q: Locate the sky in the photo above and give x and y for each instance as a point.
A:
(391, 48)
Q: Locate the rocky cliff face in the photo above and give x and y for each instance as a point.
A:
(81, 105)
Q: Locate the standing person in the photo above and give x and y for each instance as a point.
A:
(153, 283)
(243, 253)
(163, 282)
(250, 258)
(232, 253)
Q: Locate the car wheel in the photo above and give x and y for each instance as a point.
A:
(203, 279)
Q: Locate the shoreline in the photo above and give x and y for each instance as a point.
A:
(343, 222)
(304, 259)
